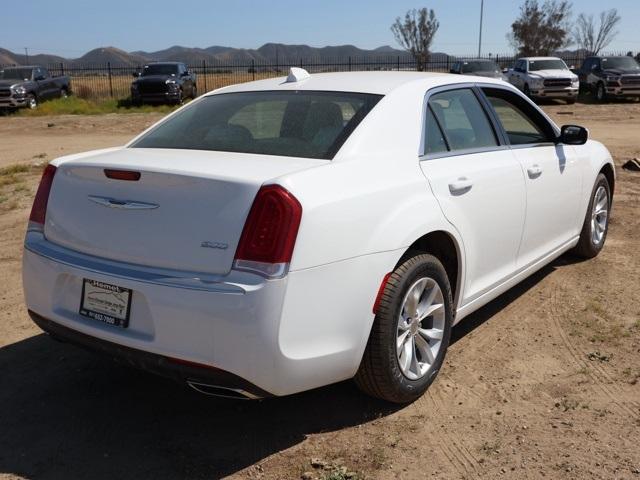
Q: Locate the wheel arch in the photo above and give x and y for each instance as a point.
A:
(609, 173)
(445, 247)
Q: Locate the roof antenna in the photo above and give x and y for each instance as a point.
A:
(297, 74)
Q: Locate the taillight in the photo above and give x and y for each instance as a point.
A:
(39, 208)
(127, 175)
(269, 234)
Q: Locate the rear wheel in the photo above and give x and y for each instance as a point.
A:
(527, 90)
(596, 222)
(194, 92)
(571, 101)
(410, 333)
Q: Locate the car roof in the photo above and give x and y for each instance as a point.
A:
(380, 83)
(535, 59)
(163, 63)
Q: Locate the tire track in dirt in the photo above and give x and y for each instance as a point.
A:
(452, 446)
(600, 382)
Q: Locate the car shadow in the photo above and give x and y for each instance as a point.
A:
(67, 413)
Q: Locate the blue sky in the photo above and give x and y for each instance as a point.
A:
(72, 27)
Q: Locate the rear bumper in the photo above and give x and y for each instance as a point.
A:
(181, 371)
(274, 337)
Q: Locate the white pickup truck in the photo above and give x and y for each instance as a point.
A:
(544, 77)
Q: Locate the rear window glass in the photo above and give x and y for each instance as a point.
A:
(304, 124)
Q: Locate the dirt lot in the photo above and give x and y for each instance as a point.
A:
(542, 382)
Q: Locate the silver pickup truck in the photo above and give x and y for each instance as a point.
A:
(26, 86)
(544, 77)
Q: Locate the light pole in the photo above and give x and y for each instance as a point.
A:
(480, 36)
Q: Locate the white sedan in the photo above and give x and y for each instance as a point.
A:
(285, 234)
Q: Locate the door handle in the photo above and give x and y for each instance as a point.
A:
(534, 171)
(460, 186)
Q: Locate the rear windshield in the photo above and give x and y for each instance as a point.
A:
(486, 66)
(535, 65)
(160, 70)
(292, 124)
(626, 63)
(15, 74)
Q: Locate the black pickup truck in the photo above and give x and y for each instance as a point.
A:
(26, 86)
(170, 82)
(610, 77)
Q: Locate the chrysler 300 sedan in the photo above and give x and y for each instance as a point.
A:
(285, 234)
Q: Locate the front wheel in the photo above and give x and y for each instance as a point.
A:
(601, 94)
(596, 222)
(32, 102)
(410, 332)
(571, 101)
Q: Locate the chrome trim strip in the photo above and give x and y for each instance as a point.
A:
(122, 204)
(37, 244)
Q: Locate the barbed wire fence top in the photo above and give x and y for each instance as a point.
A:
(111, 81)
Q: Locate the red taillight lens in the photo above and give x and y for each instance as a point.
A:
(39, 209)
(127, 175)
(270, 231)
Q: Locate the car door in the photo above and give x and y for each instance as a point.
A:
(552, 173)
(515, 77)
(478, 184)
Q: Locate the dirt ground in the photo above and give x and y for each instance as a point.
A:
(544, 382)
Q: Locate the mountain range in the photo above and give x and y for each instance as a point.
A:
(269, 52)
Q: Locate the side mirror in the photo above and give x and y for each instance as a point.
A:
(185, 74)
(135, 74)
(573, 135)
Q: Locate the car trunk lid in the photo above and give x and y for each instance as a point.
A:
(185, 212)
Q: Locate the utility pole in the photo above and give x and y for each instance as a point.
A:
(480, 36)
(26, 54)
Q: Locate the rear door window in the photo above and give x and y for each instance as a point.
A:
(464, 122)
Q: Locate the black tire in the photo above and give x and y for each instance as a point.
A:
(527, 90)
(586, 247)
(64, 93)
(380, 374)
(571, 101)
(180, 98)
(194, 92)
(32, 102)
(601, 93)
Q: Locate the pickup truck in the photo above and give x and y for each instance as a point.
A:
(610, 77)
(480, 68)
(544, 77)
(163, 82)
(26, 86)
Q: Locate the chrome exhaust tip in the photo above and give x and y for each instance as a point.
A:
(224, 392)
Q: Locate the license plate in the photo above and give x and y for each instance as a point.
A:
(105, 302)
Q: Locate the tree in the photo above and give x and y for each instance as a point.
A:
(585, 35)
(541, 29)
(415, 33)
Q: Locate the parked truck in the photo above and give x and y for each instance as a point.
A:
(610, 77)
(544, 77)
(26, 86)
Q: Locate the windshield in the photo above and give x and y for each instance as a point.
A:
(535, 65)
(15, 74)
(475, 66)
(624, 63)
(160, 70)
(292, 123)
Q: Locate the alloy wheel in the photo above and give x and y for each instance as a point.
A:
(599, 215)
(420, 328)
